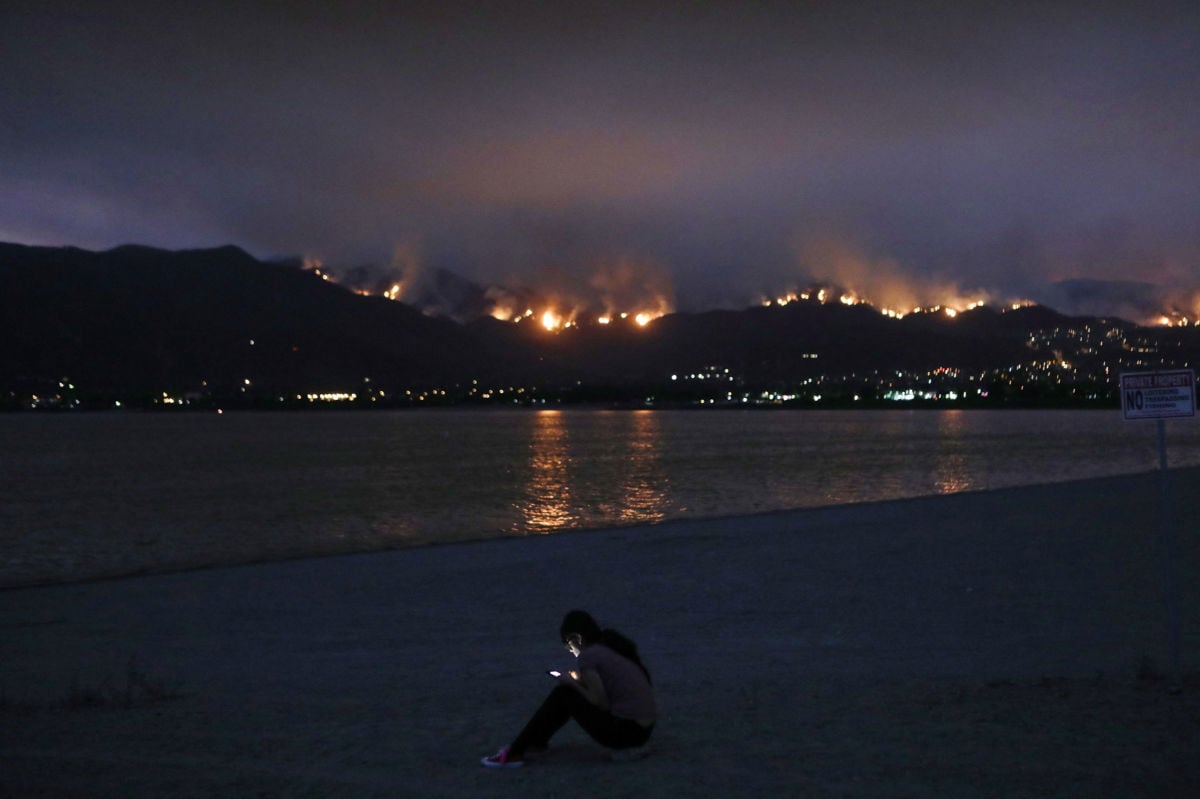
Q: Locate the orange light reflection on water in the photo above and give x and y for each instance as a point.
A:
(547, 503)
(615, 486)
(644, 489)
(952, 472)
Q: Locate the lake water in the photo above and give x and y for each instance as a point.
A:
(90, 495)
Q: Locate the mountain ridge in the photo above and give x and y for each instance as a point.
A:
(139, 321)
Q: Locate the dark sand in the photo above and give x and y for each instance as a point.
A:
(997, 644)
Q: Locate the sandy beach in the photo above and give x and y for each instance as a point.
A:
(1010, 643)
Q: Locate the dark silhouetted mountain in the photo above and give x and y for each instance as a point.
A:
(136, 319)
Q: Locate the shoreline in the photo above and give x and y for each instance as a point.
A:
(1111, 405)
(999, 643)
(337, 553)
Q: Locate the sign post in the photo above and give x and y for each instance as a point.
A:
(1160, 396)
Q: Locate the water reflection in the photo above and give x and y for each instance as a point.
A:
(645, 486)
(952, 471)
(593, 470)
(546, 505)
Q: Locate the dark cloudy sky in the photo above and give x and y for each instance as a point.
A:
(726, 149)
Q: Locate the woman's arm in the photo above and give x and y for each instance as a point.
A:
(590, 685)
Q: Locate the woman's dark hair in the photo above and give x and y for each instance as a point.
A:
(581, 623)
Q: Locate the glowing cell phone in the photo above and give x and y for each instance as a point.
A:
(554, 673)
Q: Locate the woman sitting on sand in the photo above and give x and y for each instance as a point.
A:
(610, 695)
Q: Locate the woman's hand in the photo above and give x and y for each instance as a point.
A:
(588, 683)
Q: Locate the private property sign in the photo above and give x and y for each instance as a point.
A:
(1158, 395)
(1168, 394)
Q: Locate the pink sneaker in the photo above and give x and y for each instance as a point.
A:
(502, 760)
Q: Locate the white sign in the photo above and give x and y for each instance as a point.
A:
(1158, 395)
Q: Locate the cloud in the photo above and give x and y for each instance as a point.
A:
(997, 147)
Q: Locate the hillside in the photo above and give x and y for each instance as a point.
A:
(137, 322)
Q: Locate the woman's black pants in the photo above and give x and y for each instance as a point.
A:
(565, 703)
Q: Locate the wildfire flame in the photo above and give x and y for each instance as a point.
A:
(551, 320)
(1183, 310)
(951, 308)
(637, 293)
(560, 310)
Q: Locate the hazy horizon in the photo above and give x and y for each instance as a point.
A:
(706, 155)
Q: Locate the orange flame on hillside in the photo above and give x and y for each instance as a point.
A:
(637, 292)
(615, 291)
(1182, 311)
(951, 308)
